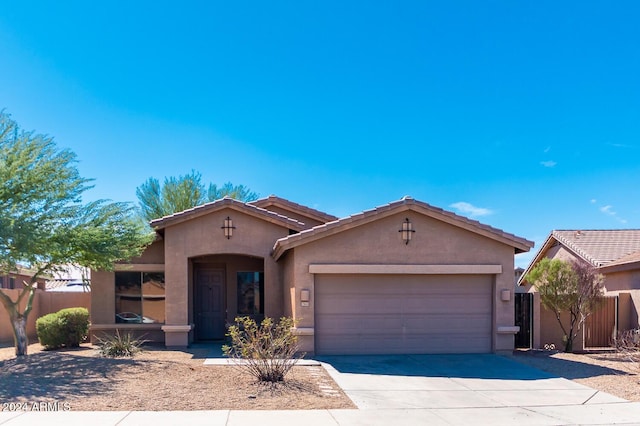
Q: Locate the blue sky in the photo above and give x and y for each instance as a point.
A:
(523, 115)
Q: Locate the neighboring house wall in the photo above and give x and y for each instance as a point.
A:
(15, 281)
(550, 332)
(620, 280)
(546, 329)
(43, 303)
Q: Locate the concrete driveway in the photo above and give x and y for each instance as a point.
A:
(403, 390)
(463, 389)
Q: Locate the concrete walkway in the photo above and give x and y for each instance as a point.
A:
(404, 390)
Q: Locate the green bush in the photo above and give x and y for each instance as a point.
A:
(75, 322)
(50, 331)
(117, 346)
(67, 327)
(267, 350)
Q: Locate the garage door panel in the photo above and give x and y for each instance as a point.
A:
(361, 304)
(471, 323)
(357, 314)
(359, 323)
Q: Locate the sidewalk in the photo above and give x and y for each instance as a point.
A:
(595, 414)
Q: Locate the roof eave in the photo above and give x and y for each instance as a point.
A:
(199, 211)
(620, 267)
(321, 231)
(543, 250)
(273, 200)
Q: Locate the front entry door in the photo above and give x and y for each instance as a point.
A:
(209, 303)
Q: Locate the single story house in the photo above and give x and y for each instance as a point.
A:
(616, 255)
(405, 277)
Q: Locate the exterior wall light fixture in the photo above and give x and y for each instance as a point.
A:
(228, 227)
(407, 230)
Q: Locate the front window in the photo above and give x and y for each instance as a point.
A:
(140, 297)
(250, 293)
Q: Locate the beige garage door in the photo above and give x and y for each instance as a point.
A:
(384, 314)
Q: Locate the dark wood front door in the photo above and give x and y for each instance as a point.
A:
(209, 303)
(524, 320)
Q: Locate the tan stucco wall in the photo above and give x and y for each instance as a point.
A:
(203, 236)
(379, 242)
(625, 304)
(103, 295)
(551, 333)
(287, 266)
(154, 253)
(625, 280)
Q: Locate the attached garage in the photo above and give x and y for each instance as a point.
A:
(386, 314)
(403, 278)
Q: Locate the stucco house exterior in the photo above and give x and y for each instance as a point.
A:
(405, 277)
(616, 255)
(22, 274)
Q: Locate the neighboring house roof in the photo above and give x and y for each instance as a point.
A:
(26, 272)
(631, 258)
(273, 200)
(625, 263)
(601, 248)
(192, 213)
(521, 245)
(67, 285)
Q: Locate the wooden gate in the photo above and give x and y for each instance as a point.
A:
(524, 319)
(602, 325)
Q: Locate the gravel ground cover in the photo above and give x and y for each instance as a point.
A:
(156, 379)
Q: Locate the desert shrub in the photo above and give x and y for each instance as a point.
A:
(627, 343)
(267, 350)
(50, 331)
(118, 346)
(75, 323)
(67, 327)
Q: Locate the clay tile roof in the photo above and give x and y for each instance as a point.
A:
(631, 258)
(602, 247)
(406, 203)
(273, 200)
(203, 209)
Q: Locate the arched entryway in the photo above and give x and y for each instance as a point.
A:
(222, 287)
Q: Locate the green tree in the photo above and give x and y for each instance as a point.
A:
(184, 192)
(572, 287)
(44, 223)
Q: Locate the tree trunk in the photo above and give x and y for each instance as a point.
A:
(568, 347)
(19, 320)
(20, 338)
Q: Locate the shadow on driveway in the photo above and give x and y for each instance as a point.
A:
(477, 366)
(569, 369)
